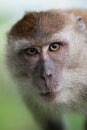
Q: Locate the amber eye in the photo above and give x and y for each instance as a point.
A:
(55, 46)
(31, 51)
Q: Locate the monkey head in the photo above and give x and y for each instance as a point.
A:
(47, 54)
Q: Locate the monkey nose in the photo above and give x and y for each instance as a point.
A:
(46, 76)
(48, 80)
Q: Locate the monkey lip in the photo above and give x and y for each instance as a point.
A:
(49, 96)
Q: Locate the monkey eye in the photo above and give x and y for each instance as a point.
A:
(31, 51)
(55, 46)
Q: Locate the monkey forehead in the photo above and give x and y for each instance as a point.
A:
(40, 24)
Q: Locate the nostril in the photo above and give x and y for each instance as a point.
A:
(46, 76)
(42, 77)
(50, 75)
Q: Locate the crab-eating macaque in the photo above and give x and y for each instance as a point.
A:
(47, 55)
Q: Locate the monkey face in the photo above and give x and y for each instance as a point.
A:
(45, 75)
(48, 49)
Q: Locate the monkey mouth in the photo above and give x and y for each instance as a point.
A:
(49, 96)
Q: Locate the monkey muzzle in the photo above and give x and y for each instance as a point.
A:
(49, 96)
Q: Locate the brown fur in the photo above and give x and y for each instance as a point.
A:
(33, 23)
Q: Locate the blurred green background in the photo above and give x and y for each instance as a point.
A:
(13, 113)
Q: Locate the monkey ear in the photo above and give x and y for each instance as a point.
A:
(80, 24)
